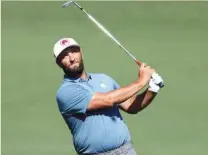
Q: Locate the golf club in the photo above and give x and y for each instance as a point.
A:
(105, 31)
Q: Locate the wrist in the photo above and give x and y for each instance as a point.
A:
(151, 92)
(140, 83)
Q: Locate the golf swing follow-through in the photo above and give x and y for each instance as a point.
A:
(90, 103)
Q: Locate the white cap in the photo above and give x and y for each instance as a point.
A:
(62, 44)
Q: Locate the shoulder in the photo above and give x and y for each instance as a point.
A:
(101, 75)
(68, 88)
(106, 78)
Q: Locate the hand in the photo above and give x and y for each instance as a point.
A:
(157, 79)
(153, 87)
(145, 73)
(154, 83)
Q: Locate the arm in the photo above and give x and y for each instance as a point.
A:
(118, 96)
(138, 102)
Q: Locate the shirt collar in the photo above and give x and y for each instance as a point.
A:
(76, 80)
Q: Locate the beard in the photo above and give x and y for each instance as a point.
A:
(75, 72)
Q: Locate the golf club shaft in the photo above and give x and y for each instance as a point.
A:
(107, 32)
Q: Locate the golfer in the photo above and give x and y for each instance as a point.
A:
(90, 103)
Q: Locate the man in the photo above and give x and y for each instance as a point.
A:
(90, 103)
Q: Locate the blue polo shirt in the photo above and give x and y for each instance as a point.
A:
(93, 131)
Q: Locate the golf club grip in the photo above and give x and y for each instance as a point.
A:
(138, 62)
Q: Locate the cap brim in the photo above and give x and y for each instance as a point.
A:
(73, 45)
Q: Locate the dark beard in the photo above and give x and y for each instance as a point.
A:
(75, 72)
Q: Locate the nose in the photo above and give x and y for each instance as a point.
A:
(71, 57)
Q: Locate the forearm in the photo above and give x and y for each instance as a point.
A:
(148, 97)
(138, 102)
(122, 94)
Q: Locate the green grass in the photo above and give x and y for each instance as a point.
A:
(170, 36)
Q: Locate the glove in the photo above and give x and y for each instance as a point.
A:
(153, 84)
(153, 87)
(157, 79)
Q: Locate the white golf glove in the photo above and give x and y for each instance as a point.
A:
(153, 84)
(157, 78)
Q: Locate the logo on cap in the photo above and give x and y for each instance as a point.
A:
(64, 42)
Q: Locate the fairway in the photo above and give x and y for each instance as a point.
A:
(170, 36)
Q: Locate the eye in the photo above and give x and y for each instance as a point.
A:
(62, 55)
(74, 49)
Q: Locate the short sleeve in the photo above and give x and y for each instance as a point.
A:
(73, 99)
(115, 84)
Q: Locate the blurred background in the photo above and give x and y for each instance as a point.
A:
(170, 36)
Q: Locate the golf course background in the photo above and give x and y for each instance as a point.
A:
(170, 36)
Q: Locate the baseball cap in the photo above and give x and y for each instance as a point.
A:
(62, 44)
